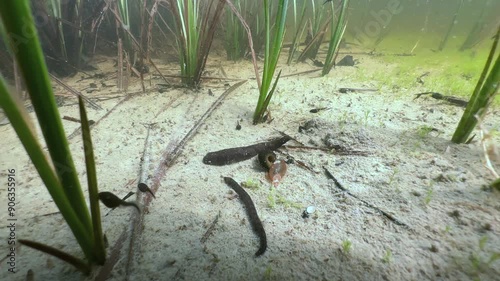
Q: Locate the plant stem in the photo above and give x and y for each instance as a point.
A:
(487, 87)
(99, 248)
(337, 32)
(18, 22)
(272, 53)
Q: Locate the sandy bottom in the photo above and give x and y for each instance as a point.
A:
(413, 208)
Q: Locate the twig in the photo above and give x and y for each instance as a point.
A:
(78, 130)
(154, 10)
(76, 93)
(139, 46)
(119, 75)
(145, 156)
(299, 163)
(211, 229)
(330, 150)
(167, 160)
(114, 256)
(250, 41)
(385, 214)
(300, 73)
(347, 90)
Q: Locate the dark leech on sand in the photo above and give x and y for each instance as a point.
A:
(238, 154)
(257, 226)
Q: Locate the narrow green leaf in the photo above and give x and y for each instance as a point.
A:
(24, 44)
(20, 122)
(337, 32)
(76, 262)
(99, 249)
(487, 87)
(496, 184)
(272, 53)
(270, 94)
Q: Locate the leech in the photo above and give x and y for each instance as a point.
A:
(385, 214)
(237, 154)
(257, 226)
(145, 188)
(112, 201)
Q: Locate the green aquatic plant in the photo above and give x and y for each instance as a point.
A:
(495, 184)
(273, 198)
(62, 40)
(451, 26)
(55, 9)
(125, 18)
(346, 246)
(337, 30)
(474, 36)
(251, 183)
(57, 170)
(288, 203)
(424, 130)
(482, 260)
(393, 176)
(235, 36)
(387, 256)
(195, 26)
(298, 27)
(272, 54)
(487, 87)
(257, 26)
(268, 273)
(316, 31)
(428, 196)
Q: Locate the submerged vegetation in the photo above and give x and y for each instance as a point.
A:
(273, 47)
(337, 30)
(235, 36)
(195, 28)
(487, 87)
(57, 172)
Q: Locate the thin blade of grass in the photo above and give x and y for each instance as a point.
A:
(20, 122)
(486, 88)
(299, 30)
(76, 262)
(250, 41)
(18, 21)
(272, 53)
(270, 94)
(337, 32)
(206, 38)
(315, 41)
(99, 248)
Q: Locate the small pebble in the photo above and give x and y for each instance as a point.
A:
(308, 211)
